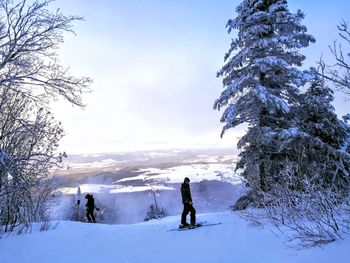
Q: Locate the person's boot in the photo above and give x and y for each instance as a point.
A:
(184, 225)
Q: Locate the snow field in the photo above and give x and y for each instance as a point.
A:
(232, 241)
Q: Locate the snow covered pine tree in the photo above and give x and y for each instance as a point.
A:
(261, 83)
(319, 154)
(311, 196)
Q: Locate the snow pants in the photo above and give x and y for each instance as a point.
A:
(187, 209)
(90, 215)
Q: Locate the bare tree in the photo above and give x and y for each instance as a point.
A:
(29, 36)
(28, 141)
(339, 73)
(31, 77)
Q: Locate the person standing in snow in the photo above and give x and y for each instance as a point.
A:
(90, 206)
(188, 205)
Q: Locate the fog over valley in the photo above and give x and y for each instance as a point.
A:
(126, 184)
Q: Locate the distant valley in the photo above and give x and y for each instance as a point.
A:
(126, 184)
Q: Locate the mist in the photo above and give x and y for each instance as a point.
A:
(125, 189)
(129, 208)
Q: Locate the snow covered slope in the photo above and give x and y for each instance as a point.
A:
(231, 242)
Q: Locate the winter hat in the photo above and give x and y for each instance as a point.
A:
(186, 180)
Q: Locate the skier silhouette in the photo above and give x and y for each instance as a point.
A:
(90, 206)
(188, 205)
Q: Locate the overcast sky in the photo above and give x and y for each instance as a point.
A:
(154, 65)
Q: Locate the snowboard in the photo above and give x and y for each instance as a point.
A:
(199, 225)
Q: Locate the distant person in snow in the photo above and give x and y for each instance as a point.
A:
(90, 207)
(188, 205)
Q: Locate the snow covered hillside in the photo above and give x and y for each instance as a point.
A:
(231, 242)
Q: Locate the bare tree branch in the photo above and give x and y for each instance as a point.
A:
(31, 77)
(339, 73)
(29, 36)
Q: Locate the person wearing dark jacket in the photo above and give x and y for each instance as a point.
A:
(90, 206)
(188, 205)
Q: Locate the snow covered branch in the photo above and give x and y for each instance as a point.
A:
(28, 142)
(29, 36)
(308, 213)
(31, 77)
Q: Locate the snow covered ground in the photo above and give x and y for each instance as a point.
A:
(114, 173)
(173, 175)
(197, 173)
(231, 242)
(112, 189)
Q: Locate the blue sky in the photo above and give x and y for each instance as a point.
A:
(154, 65)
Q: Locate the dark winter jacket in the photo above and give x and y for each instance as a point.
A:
(186, 193)
(90, 205)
